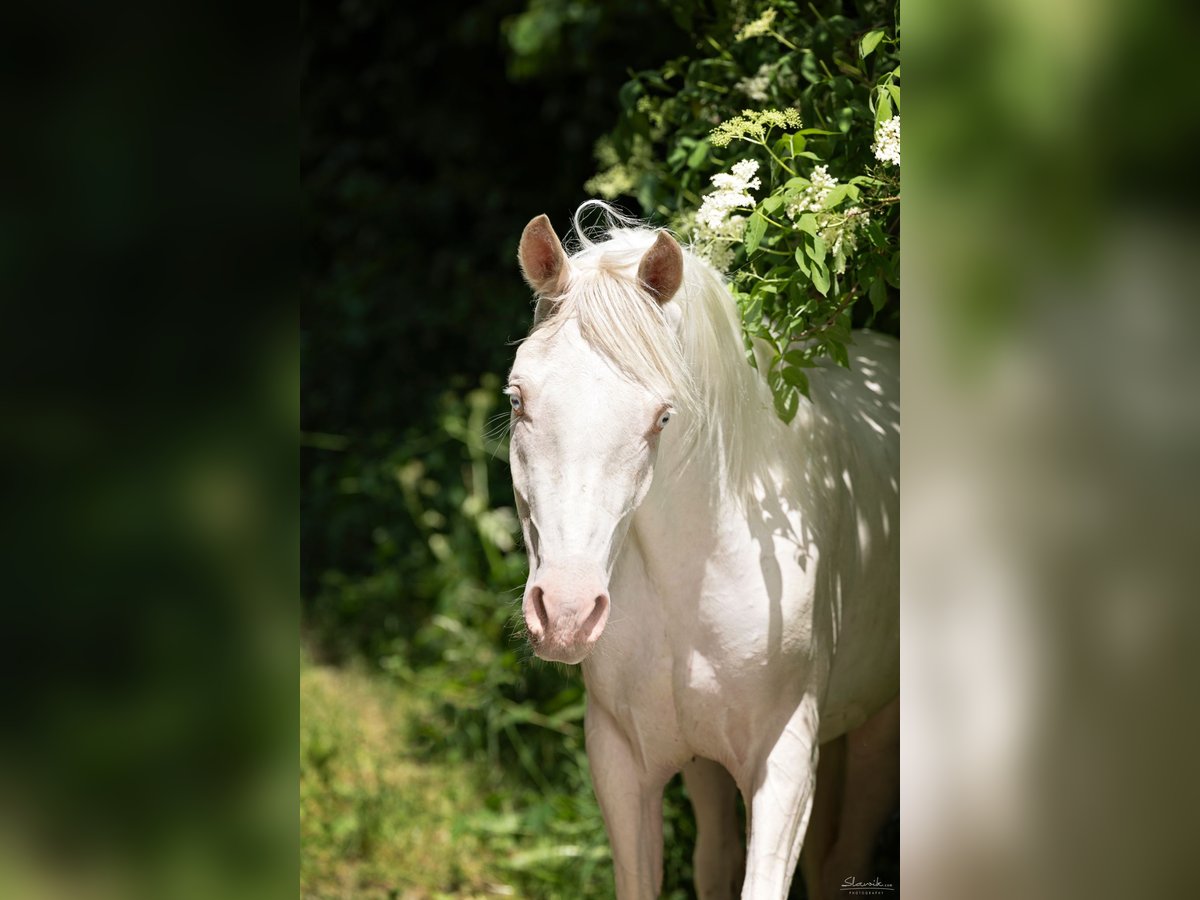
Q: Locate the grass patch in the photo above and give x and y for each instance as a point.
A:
(383, 817)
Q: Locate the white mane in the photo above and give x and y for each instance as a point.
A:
(700, 365)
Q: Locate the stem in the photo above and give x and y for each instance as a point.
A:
(779, 37)
(782, 164)
(725, 54)
(851, 296)
(772, 221)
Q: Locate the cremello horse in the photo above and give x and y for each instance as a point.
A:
(729, 583)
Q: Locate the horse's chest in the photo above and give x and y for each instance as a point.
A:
(680, 701)
(703, 672)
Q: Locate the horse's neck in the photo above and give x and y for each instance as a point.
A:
(694, 509)
(689, 507)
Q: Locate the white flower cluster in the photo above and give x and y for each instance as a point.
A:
(717, 228)
(839, 230)
(887, 142)
(755, 86)
(840, 233)
(812, 198)
(757, 28)
(733, 192)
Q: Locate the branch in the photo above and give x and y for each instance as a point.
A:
(851, 296)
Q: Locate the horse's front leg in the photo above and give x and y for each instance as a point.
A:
(718, 860)
(782, 783)
(631, 802)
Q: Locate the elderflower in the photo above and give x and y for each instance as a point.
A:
(839, 230)
(840, 234)
(752, 125)
(717, 228)
(616, 177)
(757, 28)
(887, 141)
(812, 198)
(755, 86)
(733, 192)
(652, 109)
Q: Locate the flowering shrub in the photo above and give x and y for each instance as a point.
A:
(775, 151)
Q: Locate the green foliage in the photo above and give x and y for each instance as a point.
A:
(788, 112)
(475, 700)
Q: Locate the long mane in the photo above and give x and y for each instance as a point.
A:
(690, 351)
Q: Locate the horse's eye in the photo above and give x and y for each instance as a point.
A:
(663, 420)
(515, 399)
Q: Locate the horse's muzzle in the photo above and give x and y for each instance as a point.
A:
(565, 612)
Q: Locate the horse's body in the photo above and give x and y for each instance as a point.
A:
(752, 567)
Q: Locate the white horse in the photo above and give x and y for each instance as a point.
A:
(729, 583)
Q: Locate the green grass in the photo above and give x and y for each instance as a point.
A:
(387, 816)
(401, 798)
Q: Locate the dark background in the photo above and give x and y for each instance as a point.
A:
(431, 133)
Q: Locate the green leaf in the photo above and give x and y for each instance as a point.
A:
(787, 401)
(878, 294)
(869, 42)
(816, 250)
(838, 351)
(628, 95)
(836, 195)
(820, 278)
(797, 359)
(697, 156)
(796, 378)
(752, 314)
(789, 145)
(807, 222)
(883, 111)
(754, 231)
(771, 205)
(802, 259)
(894, 90)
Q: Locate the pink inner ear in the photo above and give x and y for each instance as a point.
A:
(661, 269)
(542, 261)
(541, 255)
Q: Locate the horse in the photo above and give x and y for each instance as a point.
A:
(728, 583)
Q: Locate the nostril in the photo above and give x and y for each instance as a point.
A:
(599, 608)
(541, 621)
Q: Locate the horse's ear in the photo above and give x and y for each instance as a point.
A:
(661, 269)
(543, 262)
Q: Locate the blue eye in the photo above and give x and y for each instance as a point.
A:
(515, 400)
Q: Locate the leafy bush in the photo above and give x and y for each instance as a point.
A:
(775, 150)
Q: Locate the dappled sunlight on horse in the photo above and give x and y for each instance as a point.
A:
(728, 582)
